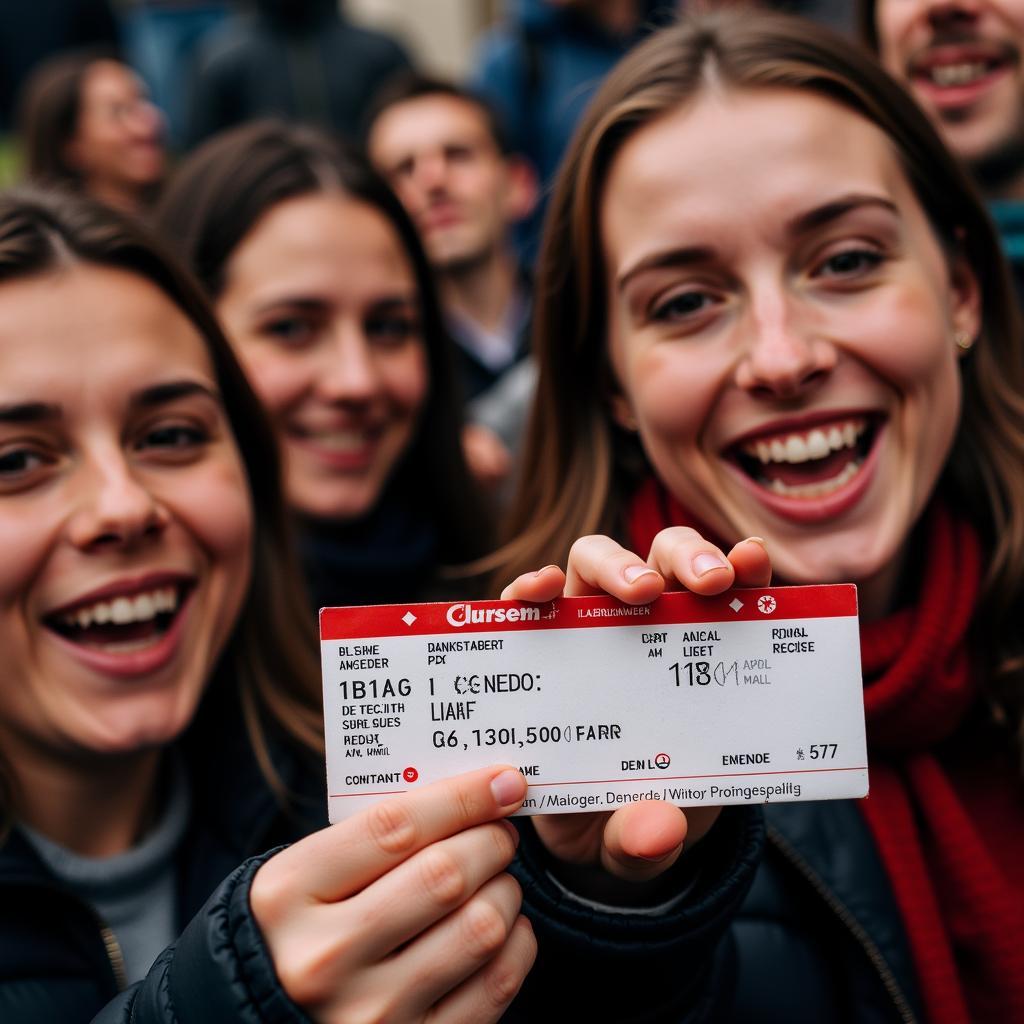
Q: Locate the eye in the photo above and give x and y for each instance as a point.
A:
(392, 329)
(682, 305)
(173, 437)
(16, 463)
(849, 263)
(290, 331)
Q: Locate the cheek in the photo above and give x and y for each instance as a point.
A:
(216, 507)
(28, 537)
(279, 379)
(407, 378)
(671, 393)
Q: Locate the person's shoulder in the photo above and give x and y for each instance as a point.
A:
(373, 44)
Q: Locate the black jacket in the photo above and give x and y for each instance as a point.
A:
(58, 961)
(817, 938)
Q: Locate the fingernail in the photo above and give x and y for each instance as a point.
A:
(705, 563)
(633, 572)
(540, 572)
(508, 788)
(655, 860)
(512, 831)
(758, 540)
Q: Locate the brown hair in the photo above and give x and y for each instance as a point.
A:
(48, 113)
(412, 85)
(582, 467)
(223, 189)
(270, 658)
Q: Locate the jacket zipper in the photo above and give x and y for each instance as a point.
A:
(114, 954)
(874, 955)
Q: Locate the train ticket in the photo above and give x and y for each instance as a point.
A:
(748, 697)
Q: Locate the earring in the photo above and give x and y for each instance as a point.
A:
(963, 340)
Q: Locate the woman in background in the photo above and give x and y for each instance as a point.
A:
(775, 332)
(321, 284)
(86, 124)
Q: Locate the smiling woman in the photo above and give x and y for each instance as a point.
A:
(775, 332)
(159, 708)
(321, 283)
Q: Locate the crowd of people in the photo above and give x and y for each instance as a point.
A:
(769, 332)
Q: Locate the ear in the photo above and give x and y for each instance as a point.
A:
(523, 188)
(965, 297)
(71, 155)
(622, 411)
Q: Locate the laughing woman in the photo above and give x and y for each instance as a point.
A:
(775, 333)
(159, 711)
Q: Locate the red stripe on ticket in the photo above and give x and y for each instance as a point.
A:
(460, 617)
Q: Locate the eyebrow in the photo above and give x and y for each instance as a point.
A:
(159, 394)
(798, 225)
(29, 412)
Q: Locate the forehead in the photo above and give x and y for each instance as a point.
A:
(749, 158)
(326, 241)
(89, 329)
(431, 120)
(107, 80)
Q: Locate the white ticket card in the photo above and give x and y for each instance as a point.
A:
(750, 696)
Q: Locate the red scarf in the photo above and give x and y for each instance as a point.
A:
(963, 918)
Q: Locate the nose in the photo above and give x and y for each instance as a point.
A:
(115, 508)
(349, 373)
(785, 357)
(951, 13)
(145, 120)
(430, 172)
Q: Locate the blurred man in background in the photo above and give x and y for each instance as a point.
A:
(446, 154)
(961, 60)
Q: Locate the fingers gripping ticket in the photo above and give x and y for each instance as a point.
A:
(343, 859)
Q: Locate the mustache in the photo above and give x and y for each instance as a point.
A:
(1000, 49)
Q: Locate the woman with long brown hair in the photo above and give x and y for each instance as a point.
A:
(775, 333)
(159, 710)
(323, 289)
(87, 124)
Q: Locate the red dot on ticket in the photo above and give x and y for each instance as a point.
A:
(410, 774)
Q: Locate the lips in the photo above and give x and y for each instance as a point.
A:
(958, 74)
(122, 618)
(346, 448)
(811, 470)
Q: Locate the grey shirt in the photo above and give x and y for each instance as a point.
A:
(133, 892)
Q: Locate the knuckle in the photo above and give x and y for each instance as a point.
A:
(484, 929)
(583, 546)
(371, 1010)
(502, 981)
(467, 806)
(504, 845)
(391, 826)
(307, 973)
(271, 895)
(442, 877)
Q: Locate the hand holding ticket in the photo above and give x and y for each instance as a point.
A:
(746, 697)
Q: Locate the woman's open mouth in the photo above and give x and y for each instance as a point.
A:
(122, 624)
(813, 472)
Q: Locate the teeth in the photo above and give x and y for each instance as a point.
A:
(123, 610)
(819, 489)
(958, 74)
(804, 446)
(817, 445)
(340, 440)
(796, 449)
